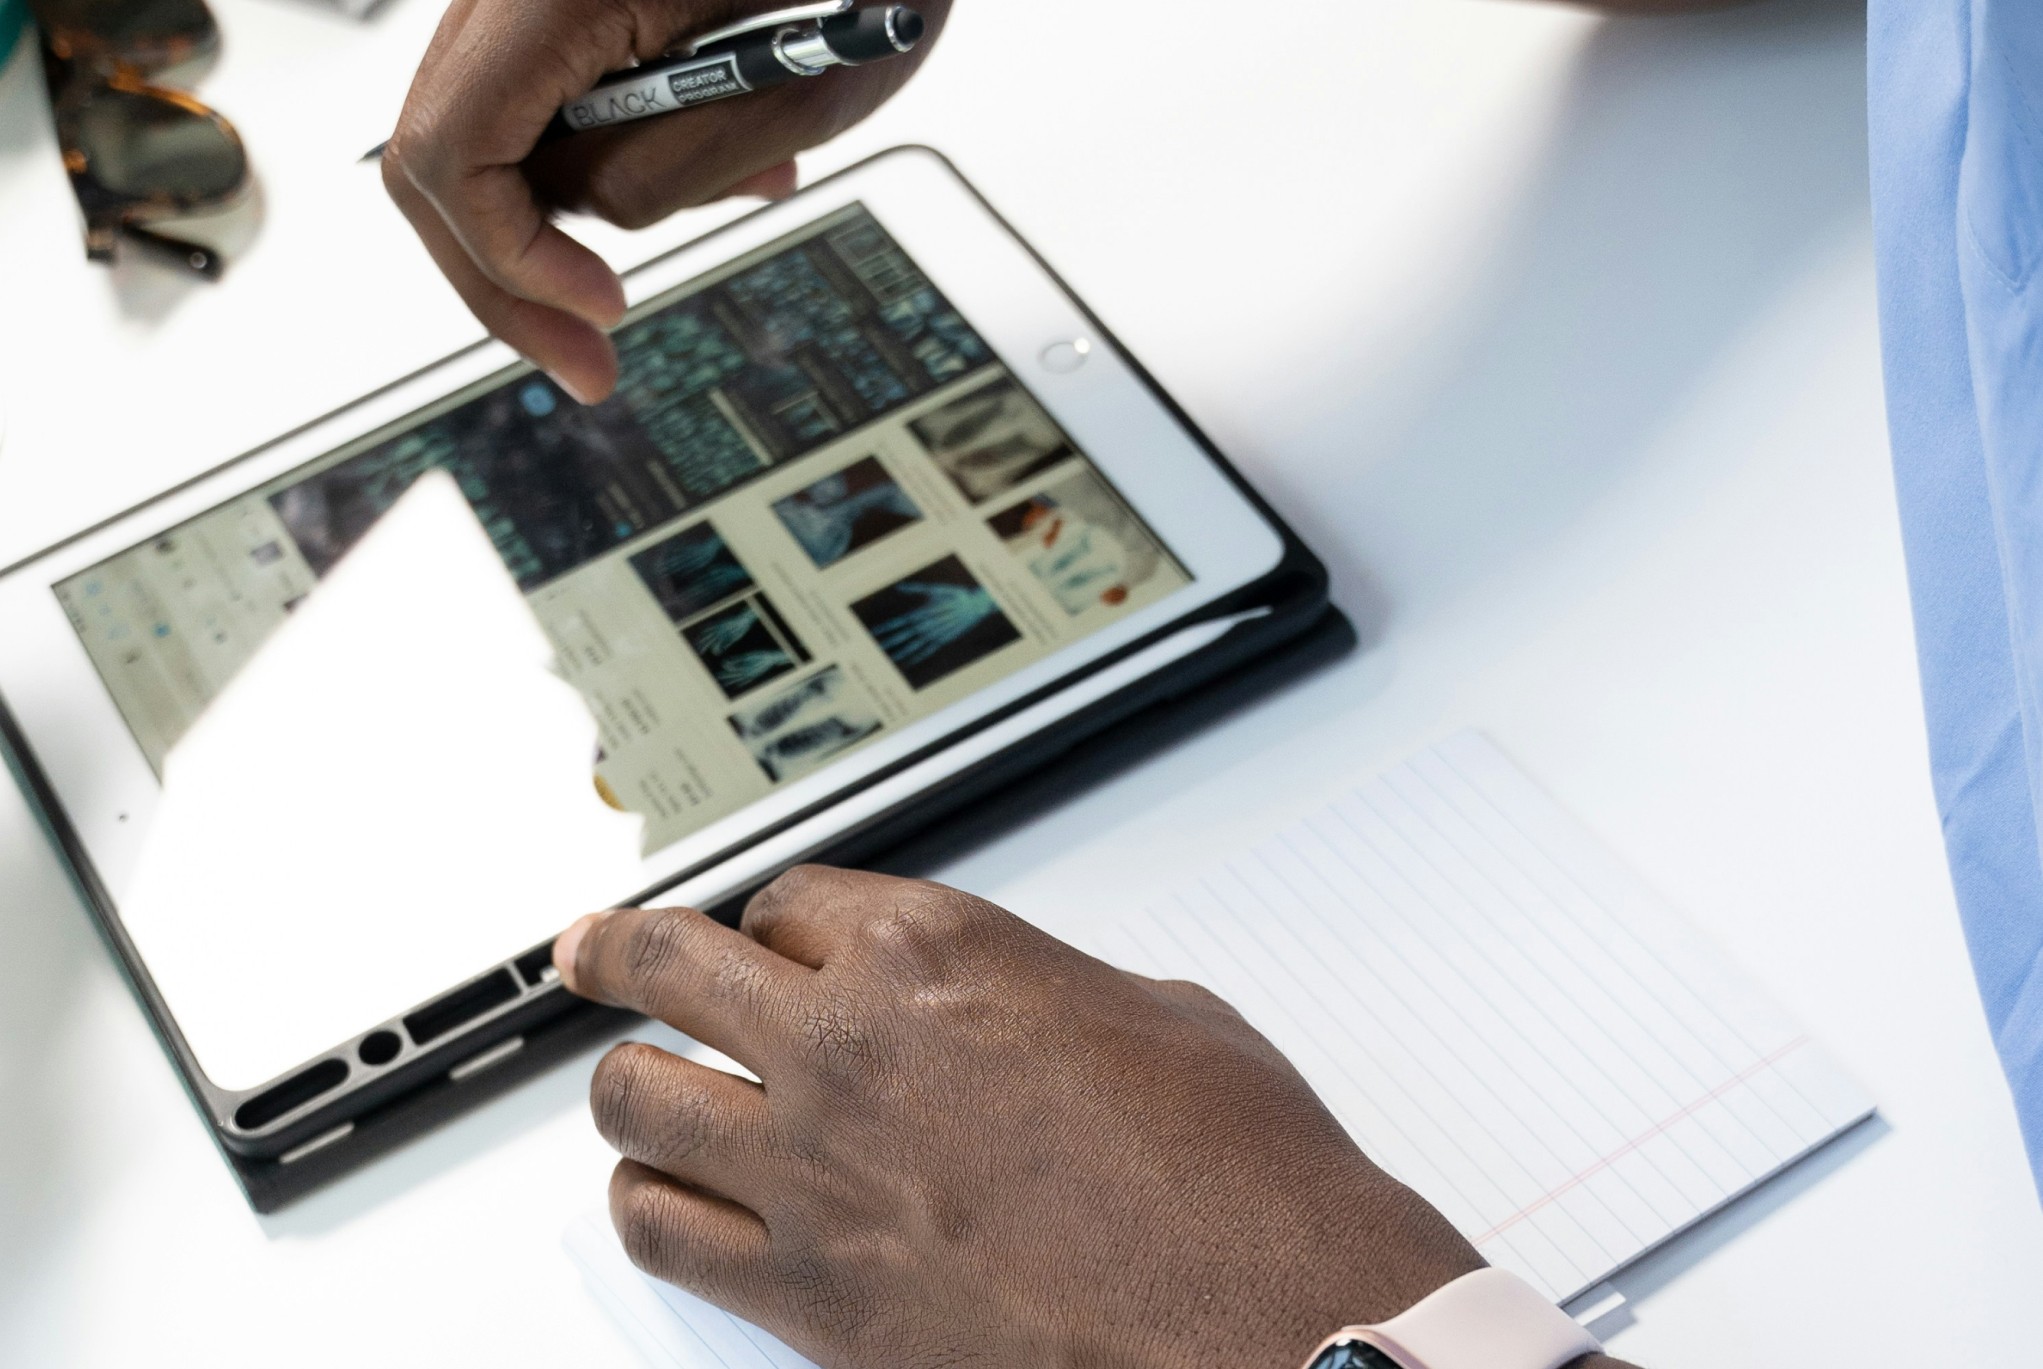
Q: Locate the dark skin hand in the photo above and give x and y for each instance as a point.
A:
(975, 1145)
(462, 164)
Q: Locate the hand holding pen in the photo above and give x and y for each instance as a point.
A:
(474, 170)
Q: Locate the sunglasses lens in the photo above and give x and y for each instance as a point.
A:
(155, 152)
(147, 34)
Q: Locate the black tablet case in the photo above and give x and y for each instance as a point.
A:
(1296, 630)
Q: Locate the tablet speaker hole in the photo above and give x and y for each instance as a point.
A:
(379, 1048)
(267, 1106)
(464, 1005)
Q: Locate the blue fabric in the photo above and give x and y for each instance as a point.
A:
(1957, 139)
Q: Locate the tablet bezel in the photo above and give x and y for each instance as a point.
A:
(105, 789)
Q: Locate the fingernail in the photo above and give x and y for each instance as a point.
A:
(611, 308)
(570, 941)
(577, 393)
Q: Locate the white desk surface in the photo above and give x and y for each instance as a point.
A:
(1555, 336)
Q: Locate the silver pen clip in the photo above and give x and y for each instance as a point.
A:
(794, 14)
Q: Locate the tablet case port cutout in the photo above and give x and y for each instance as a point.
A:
(267, 1106)
(464, 1005)
(536, 966)
(379, 1047)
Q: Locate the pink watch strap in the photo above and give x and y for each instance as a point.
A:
(1489, 1319)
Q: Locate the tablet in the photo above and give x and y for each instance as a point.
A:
(876, 501)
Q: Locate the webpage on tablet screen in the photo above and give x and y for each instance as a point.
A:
(817, 509)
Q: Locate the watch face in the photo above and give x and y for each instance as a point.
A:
(1353, 1355)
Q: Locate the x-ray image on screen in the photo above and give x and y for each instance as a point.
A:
(797, 730)
(991, 440)
(935, 622)
(845, 511)
(691, 571)
(745, 645)
(1081, 542)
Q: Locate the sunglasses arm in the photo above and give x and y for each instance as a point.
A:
(192, 257)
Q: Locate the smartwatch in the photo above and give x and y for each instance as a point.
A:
(1489, 1319)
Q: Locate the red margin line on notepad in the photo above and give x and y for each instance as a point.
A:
(1628, 1147)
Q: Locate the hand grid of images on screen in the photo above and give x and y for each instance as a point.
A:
(816, 509)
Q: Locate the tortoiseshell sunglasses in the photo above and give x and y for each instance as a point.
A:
(137, 152)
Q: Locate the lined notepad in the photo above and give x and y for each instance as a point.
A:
(1499, 1012)
(1501, 1015)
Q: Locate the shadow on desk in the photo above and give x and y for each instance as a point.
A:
(1657, 1268)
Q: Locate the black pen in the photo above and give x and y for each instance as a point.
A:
(753, 54)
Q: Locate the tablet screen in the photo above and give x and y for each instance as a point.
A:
(817, 509)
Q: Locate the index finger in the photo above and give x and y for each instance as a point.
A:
(688, 970)
(493, 78)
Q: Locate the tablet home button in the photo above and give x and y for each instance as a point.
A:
(1062, 358)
